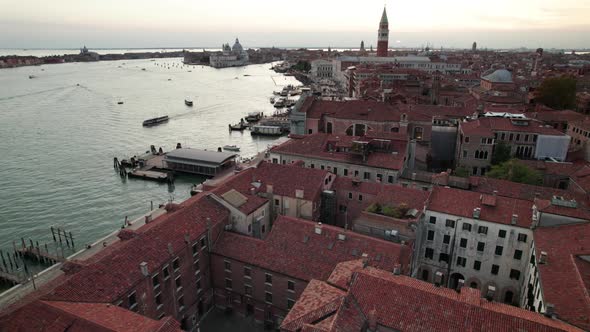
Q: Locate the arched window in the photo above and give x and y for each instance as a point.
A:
(476, 154)
(425, 275)
(485, 155)
(350, 131)
(418, 133)
(508, 297)
(329, 127)
(474, 285)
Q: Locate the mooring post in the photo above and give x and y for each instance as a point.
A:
(22, 240)
(59, 234)
(72, 239)
(66, 237)
(53, 234)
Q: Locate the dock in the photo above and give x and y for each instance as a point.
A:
(149, 174)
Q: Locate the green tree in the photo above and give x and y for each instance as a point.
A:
(558, 92)
(515, 171)
(501, 153)
(461, 172)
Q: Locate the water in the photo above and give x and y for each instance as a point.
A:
(58, 138)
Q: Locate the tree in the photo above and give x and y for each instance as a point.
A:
(558, 92)
(501, 153)
(515, 171)
(461, 172)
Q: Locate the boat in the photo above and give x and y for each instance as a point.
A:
(280, 103)
(253, 116)
(231, 147)
(155, 121)
(238, 126)
(195, 189)
(188, 102)
(119, 103)
(32, 76)
(272, 100)
(260, 130)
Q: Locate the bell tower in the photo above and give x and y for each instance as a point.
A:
(383, 35)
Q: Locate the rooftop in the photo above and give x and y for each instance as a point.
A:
(488, 126)
(196, 155)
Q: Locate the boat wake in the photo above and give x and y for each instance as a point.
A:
(36, 92)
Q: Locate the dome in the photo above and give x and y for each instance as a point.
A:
(237, 47)
(499, 76)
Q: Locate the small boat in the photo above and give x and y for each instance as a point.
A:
(143, 69)
(32, 76)
(238, 127)
(188, 102)
(155, 121)
(231, 147)
(280, 103)
(253, 116)
(119, 103)
(272, 100)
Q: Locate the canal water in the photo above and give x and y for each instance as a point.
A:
(60, 130)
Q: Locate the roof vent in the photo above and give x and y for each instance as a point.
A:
(543, 258)
(144, 269)
(514, 219)
(476, 213)
(490, 293)
(318, 228)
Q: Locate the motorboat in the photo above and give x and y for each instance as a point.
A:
(155, 121)
(231, 148)
(188, 102)
(253, 116)
(272, 100)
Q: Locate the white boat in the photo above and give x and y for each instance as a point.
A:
(231, 147)
(188, 102)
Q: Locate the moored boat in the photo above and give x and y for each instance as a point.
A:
(155, 121)
(261, 130)
(238, 126)
(231, 147)
(188, 102)
(253, 116)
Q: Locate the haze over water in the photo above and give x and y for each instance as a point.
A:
(59, 138)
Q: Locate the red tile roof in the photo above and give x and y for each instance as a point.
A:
(50, 316)
(293, 248)
(565, 276)
(115, 273)
(402, 303)
(317, 146)
(487, 126)
(558, 116)
(446, 200)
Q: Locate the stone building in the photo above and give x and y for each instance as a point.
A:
(234, 56)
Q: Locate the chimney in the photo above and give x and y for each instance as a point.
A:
(187, 238)
(252, 191)
(299, 193)
(514, 219)
(460, 284)
(269, 188)
(318, 228)
(550, 310)
(170, 249)
(341, 236)
(397, 270)
(476, 213)
(144, 269)
(543, 258)
(490, 293)
(372, 318)
(495, 192)
(438, 276)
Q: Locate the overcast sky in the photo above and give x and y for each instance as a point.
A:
(311, 23)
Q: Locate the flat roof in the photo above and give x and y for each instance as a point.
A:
(196, 155)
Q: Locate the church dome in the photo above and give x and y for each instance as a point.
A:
(499, 76)
(237, 48)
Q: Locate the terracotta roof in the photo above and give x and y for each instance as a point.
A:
(445, 200)
(116, 272)
(298, 251)
(402, 303)
(487, 127)
(317, 146)
(559, 116)
(565, 277)
(50, 316)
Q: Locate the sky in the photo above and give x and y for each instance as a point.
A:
(300, 23)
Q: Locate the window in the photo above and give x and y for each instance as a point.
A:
(178, 283)
(446, 239)
(466, 139)
(433, 220)
(481, 246)
(514, 274)
(517, 254)
(511, 137)
(166, 272)
(443, 257)
(195, 249)
(247, 272)
(311, 166)
(380, 177)
(268, 297)
(521, 237)
(495, 269)
(342, 208)
(176, 264)
(390, 179)
(461, 261)
(181, 303)
(197, 266)
(291, 285)
(228, 283)
(467, 227)
(463, 243)
(158, 300)
(360, 198)
(290, 303)
(477, 265)
(429, 253)
(263, 229)
(322, 167)
(367, 176)
(430, 236)
(349, 195)
(345, 172)
(132, 299)
(464, 153)
(268, 278)
(450, 223)
(502, 233)
(499, 250)
(198, 283)
(156, 281)
(482, 230)
(227, 265)
(203, 242)
(248, 290)
(335, 170)
(356, 173)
